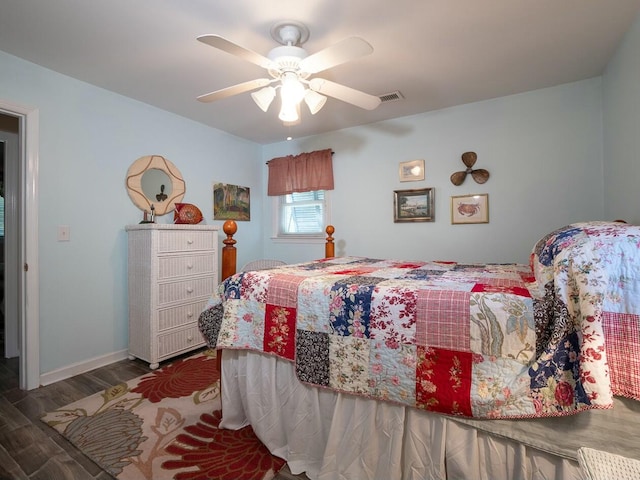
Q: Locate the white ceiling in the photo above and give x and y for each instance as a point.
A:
(437, 53)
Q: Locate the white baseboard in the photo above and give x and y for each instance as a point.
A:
(82, 367)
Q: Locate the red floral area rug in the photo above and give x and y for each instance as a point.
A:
(164, 425)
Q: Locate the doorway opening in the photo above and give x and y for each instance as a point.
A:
(9, 186)
(20, 249)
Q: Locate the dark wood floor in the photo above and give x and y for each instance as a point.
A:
(31, 450)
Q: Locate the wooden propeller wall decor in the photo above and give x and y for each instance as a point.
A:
(480, 175)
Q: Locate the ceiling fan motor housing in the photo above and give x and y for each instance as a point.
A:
(287, 57)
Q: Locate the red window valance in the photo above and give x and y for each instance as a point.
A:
(301, 173)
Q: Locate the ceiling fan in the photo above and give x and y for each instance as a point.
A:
(290, 68)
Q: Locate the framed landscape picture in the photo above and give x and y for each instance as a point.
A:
(231, 202)
(472, 208)
(413, 205)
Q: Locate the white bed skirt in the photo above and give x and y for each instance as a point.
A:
(332, 436)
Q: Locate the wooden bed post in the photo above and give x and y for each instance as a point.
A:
(229, 251)
(329, 248)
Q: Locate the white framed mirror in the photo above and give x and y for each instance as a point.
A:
(154, 180)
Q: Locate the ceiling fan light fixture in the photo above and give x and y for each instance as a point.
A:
(264, 97)
(291, 94)
(289, 113)
(314, 101)
(292, 90)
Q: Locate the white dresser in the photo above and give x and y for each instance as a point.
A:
(173, 270)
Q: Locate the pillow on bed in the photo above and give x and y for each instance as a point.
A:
(549, 247)
(565, 241)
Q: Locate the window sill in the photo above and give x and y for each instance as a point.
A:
(300, 239)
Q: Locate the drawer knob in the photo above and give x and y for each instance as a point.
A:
(190, 290)
(189, 314)
(189, 339)
(190, 266)
(189, 242)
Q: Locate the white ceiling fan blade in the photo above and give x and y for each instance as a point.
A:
(228, 46)
(346, 94)
(234, 90)
(344, 51)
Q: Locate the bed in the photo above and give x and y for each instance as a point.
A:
(365, 368)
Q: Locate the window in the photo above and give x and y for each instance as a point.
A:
(302, 214)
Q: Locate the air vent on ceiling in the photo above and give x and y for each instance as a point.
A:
(391, 97)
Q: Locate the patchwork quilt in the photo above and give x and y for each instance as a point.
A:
(474, 340)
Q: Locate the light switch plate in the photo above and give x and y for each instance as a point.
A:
(63, 233)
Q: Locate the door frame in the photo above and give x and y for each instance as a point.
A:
(27, 254)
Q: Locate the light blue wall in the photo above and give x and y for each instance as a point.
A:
(621, 87)
(88, 139)
(543, 150)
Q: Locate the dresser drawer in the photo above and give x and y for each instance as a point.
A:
(181, 315)
(188, 289)
(188, 240)
(181, 340)
(180, 266)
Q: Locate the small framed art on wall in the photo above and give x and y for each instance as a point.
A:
(413, 205)
(231, 202)
(473, 208)
(411, 171)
